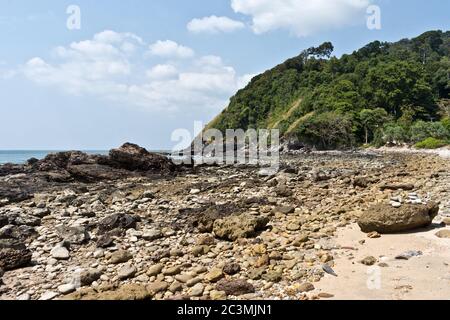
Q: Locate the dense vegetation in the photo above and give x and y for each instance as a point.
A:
(383, 93)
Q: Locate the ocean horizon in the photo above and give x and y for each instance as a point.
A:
(21, 156)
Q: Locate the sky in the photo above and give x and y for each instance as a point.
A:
(91, 75)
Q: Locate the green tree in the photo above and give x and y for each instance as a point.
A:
(371, 120)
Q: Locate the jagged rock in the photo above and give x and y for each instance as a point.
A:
(235, 287)
(20, 233)
(132, 157)
(235, 227)
(13, 254)
(384, 218)
(117, 221)
(95, 172)
(231, 268)
(406, 187)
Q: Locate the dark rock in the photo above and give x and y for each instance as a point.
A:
(407, 187)
(95, 172)
(132, 157)
(13, 254)
(231, 268)
(105, 241)
(21, 233)
(3, 220)
(235, 287)
(384, 218)
(117, 221)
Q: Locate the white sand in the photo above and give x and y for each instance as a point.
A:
(425, 277)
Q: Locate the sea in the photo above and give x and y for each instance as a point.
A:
(21, 156)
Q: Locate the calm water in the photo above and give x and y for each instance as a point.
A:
(21, 156)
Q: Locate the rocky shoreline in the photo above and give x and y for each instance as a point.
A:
(132, 225)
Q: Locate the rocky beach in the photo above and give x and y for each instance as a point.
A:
(132, 226)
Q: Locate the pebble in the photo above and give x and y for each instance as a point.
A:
(60, 253)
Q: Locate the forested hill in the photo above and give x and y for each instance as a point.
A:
(382, 93)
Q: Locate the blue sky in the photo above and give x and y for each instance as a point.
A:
(138, 69)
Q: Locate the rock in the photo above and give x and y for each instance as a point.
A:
(130, 292)
(132, 157)
(406, 187)
(236, 227)
(284, 210)
(231, 268)
(444, 234)
(373, 235)
(446, 221)
(87, 277)
(325, 295)
(273, 276)
(49, 295)
(155, 270)
(235, 287)
(117, 221)
(408, 255)
(306, 287)
(183, 278)
(198, 251)
(384, 218)
(283, 191)
(368, 261)
(157, 287)
(66, 288)
(105, 241)
(13, 254)
(120, 256)
(175, 287)
(73, 235)
(396, 204)
(218, 295)
(60, 253)
(214, 275)
(152, 235)
(20, 233)
(197, 290)
(126, 272)
(329, 270)
(171, 271)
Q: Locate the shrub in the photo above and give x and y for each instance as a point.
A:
(391, 133)
(422, 130)
(431, 143)
(446, 123)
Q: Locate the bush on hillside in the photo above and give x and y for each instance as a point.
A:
(431, 143)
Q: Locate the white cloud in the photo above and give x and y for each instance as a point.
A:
(301, 17)
(214, 24)
(170, 49)
(162, 71)
(102, 68)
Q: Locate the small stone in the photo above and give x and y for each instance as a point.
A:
(368, 261)
(231, 268)
(273, 276)
(157, 287)
(87, 277)
(408, 255)
(443, 234)
(198, 251)
(193, 282)
(183, 278)
(218, 295)
(197, 290)
(120, 256)
(306, 287)
(175, 287)
(396, 204)
(126, 272)
(49, 295)
(446, 221)
(171, 271)
(155, 270)
(325, 295)
(214, 275)
(60, 253)
(152, 235)
(285, 210)
(66, 288)
(195, 191)
(373, 235)
(234, 287)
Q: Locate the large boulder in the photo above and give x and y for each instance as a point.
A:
(134, 158)
(384, 218)
(237, 227)
(13, 254)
